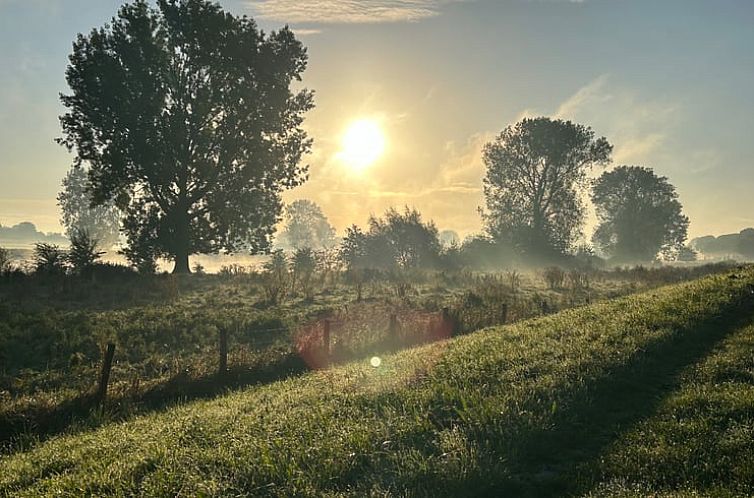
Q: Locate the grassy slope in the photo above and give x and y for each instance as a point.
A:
(529, 409)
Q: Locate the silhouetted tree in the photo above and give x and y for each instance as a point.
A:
(398, 240)
(83, 253)
(185, 117)
(49, 259)
(639, 215)
(307, 226)
(353, 248)
(79, 215)
(276, 277)
(405, 238)
(535, 170)
(304, 262)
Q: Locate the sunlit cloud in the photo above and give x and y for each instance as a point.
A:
(306, 32)
(347, 11)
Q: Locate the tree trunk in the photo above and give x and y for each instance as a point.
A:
(182, 245)
(182, 262)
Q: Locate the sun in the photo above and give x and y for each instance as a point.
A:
(363, 143)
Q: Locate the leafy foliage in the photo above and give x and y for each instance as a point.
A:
(83, 254)
(79, 215)
(640, 215)
(303, 265)
(307, 227)
(49, 259)
(276, 277)
(399, 240)
(184, 116)
(535, 171)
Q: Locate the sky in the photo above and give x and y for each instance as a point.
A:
(668, 82)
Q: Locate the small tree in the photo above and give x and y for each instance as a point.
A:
(49, 259)
(640, 215)
(353, 255)
(536, 170)
(83, 254)
(304, 264)
(275, 277)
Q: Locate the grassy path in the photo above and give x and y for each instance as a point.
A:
(524, 410)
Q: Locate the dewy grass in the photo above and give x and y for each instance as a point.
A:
(546, 407)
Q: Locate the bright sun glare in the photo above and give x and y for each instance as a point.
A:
(363, 143)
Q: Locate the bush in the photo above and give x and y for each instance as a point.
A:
(275, 277)
(49, 259)
(304, 264)
(83, 254)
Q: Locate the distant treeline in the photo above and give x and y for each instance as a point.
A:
(741, 244)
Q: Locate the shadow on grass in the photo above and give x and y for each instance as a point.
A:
(21, 431)
(83, 412)
(561, 460)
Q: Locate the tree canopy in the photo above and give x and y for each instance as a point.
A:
(78, 215)
(398, 240)
(639, 215)
(306, 226)
(536, 170)
(184, 115)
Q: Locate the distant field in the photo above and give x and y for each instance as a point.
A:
(644, 395)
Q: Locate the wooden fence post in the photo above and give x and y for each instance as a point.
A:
(449, 322)
(104, 378)
(393, 327)
(504, 313)
(223, 349)
(326, 337)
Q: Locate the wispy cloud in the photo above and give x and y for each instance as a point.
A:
(306, 32)
(347, 11)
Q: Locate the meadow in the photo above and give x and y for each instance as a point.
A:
(166, 331)
(645, 394)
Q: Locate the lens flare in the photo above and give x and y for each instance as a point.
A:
(375, 361)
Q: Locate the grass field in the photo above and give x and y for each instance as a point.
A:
(647, 394)
(166, 330)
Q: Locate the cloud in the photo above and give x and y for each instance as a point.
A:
(347, 11)
(306, 32)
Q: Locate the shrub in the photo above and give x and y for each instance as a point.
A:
(49, 259)
(83, 254)
(275, 277)
(304, 264)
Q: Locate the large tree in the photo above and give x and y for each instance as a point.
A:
(639, 214)
(101, 222)
(184, 115)
(306, 226)
(536, 170)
